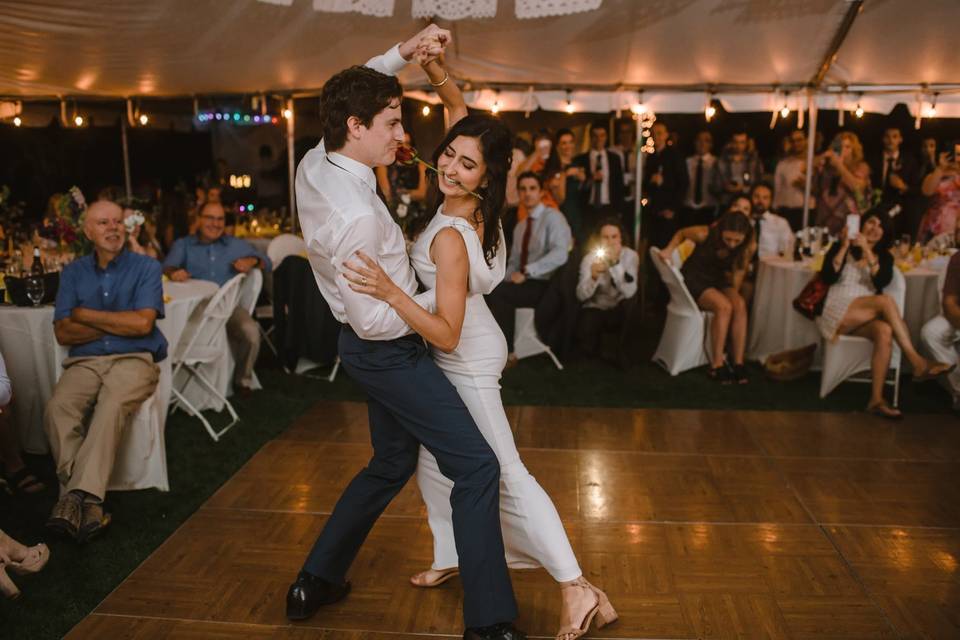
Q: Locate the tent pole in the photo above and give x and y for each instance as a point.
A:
(638, 186)
(811, 143)
(126, 157)
(291, 169)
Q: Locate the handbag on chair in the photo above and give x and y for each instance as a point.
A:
(809, 303)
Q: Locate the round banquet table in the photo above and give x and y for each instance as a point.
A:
(33, 356)
(775, 326)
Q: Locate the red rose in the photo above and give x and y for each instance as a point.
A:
(406, 155)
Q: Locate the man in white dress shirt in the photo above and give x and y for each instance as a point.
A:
(608, 279)
(410, 400)
(789, 181)
(774, 237)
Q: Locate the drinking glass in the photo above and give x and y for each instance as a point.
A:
(904, 245)
(35, 289)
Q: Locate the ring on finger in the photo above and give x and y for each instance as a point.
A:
(363, 281)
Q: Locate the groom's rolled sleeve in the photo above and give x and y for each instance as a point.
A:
(390, 63)
(371, 319)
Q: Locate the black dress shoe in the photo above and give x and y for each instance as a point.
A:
(309, 593)
(502, 631)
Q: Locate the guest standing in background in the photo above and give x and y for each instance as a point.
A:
(737, 170)
(664, 186)
(700, 203)
(567, 183)
(942, 186)
(604, 183)
(842, 179)
(790, 181)
(897, 174)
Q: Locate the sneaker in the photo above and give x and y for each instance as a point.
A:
(66, 515)
(94, 519)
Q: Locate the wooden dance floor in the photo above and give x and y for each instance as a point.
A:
(699, 524)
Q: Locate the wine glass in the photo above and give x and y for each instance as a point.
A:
(904, 247)
(35, 289)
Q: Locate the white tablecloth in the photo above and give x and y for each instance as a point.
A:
(776, 326)
(33, 356)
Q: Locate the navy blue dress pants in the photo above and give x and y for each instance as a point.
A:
(410, 403)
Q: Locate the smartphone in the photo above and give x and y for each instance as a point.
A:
(837, 146)
(853, 226)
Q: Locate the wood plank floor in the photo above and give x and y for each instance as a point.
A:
(699, 524)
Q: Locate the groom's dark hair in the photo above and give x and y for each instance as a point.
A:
(357, 91)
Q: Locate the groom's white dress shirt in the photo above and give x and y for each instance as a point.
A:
(340, 213)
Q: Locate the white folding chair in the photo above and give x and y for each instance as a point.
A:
(684, 343)
(283, 246)
(849, 356)
(204, 343)
(526, 342)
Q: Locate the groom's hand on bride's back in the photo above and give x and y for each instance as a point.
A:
(431, 41)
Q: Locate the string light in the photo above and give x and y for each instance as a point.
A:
(234, 118)
(426, 110)
(17, 121)
(569, 108)
(78, 121)
(859, 111)
(144, 119)
(638, 108)
(288, 113)
(495, 109)
(784, 111)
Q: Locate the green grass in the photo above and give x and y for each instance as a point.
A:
(79, 578)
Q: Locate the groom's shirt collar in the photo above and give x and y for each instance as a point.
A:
(354, 168)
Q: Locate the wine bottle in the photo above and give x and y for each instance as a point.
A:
(36, 269)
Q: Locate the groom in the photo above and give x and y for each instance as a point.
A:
(410, 401)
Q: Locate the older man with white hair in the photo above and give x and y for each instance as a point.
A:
(106, 312)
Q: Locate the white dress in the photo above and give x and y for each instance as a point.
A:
(533, 534)
(855, 282)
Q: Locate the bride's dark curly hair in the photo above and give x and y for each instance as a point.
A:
(496, 144)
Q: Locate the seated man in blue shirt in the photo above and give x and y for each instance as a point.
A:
(212, 255)
(107, 307)
(541, 245)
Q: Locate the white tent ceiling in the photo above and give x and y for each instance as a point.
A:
(118, 48)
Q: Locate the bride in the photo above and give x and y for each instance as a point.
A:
(461, 254)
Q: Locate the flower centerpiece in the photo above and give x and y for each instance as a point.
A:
(64, 223)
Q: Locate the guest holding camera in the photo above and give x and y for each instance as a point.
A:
(608, 278)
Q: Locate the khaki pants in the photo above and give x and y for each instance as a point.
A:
(942, 341)
(244, 337)
(114, 387)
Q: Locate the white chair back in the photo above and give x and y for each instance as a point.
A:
(210, 328)
(897, 289)
(284, 245)
(680, 299)
(250, 290)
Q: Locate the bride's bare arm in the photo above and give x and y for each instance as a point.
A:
(448, 92)
(443, 328)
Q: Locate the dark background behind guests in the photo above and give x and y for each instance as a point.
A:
(39, 161)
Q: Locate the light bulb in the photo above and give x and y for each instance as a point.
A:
(932, 111)
(144, 119)
(78, 121)
(709, 112)
(858, 112)
(569, 107)
(288, 113)
(638, 108)
(426, 110)
(495, 109)
(17, 121)
(785, 111)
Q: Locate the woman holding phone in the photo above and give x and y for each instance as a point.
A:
(841, 179)
(942, 186)
(857, 269)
